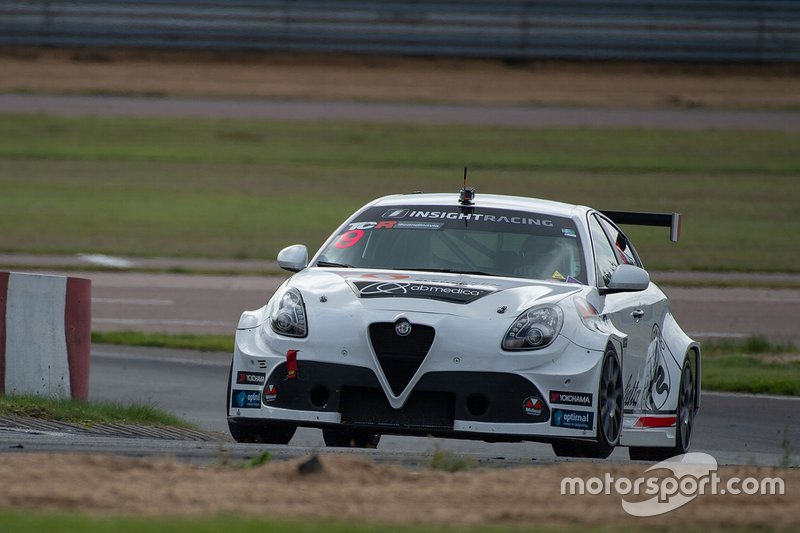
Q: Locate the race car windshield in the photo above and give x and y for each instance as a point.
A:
(475, 240)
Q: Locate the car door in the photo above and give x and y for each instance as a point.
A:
(624, 309)
(646, 375)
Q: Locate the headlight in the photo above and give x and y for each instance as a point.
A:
(536, 328)
(288, 317)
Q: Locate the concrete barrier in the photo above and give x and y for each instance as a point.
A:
(45, 335)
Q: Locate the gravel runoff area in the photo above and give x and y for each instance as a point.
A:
(345, 488)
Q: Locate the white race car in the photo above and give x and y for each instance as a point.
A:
(493, 317)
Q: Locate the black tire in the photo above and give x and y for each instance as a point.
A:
(261, 432)
(264, 432)
(609, 415)
(684, 426)
(341, 438)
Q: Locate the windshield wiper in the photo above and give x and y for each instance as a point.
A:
(471, 272)
(332, 264)
(449, 271)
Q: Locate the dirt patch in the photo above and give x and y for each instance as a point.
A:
(780, 358)
(353, 488)
(380, 78)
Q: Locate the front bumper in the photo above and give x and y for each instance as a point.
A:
(492, 406)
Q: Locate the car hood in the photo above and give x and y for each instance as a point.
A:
(429, 292)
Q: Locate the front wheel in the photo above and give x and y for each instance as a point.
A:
(609, 415)
(261, 432)
(684, 422)
(266, 432)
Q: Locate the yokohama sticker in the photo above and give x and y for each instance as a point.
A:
(571, 398)
(250, 378)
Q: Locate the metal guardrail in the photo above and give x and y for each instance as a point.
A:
(699, 30)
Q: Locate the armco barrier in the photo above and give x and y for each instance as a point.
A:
(673, 30)
(45, 335)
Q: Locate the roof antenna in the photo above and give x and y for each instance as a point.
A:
(467, 194)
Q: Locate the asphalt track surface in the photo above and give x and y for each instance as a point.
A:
(735, 429)
(513, 116)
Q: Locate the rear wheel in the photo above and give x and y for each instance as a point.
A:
(265, 432)
(609, 419)
(684, 422)
(350, 438)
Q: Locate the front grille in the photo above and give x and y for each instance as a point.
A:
(365, 406)
(400, 357)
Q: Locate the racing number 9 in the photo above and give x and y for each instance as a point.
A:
(350, 238)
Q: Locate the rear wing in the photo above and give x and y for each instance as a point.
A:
(668, 220)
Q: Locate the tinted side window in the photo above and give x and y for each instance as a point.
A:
(604, 256)
(624, 249)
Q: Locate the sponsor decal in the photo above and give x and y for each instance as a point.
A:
(533, 406)
(419, 225)
(420, 217)
(391, 224)
(656, 372)
(649, 391)
(270, 393)
(484, 217)
(395, 213)
(383, 224)
(405, 289)
(632, 392)
(246, 399)
(250, 378)
(571, 398)
(565, 418)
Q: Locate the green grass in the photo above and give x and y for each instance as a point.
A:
(186, 341)
(87, 413)
(25, 521)
(753, 365)
(448, 461)
(246, 188)
(751, 345)
(28, 522)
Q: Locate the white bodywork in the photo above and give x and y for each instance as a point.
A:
(652, 347)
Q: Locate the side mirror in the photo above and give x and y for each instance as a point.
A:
(293, 258)
(628, 278)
